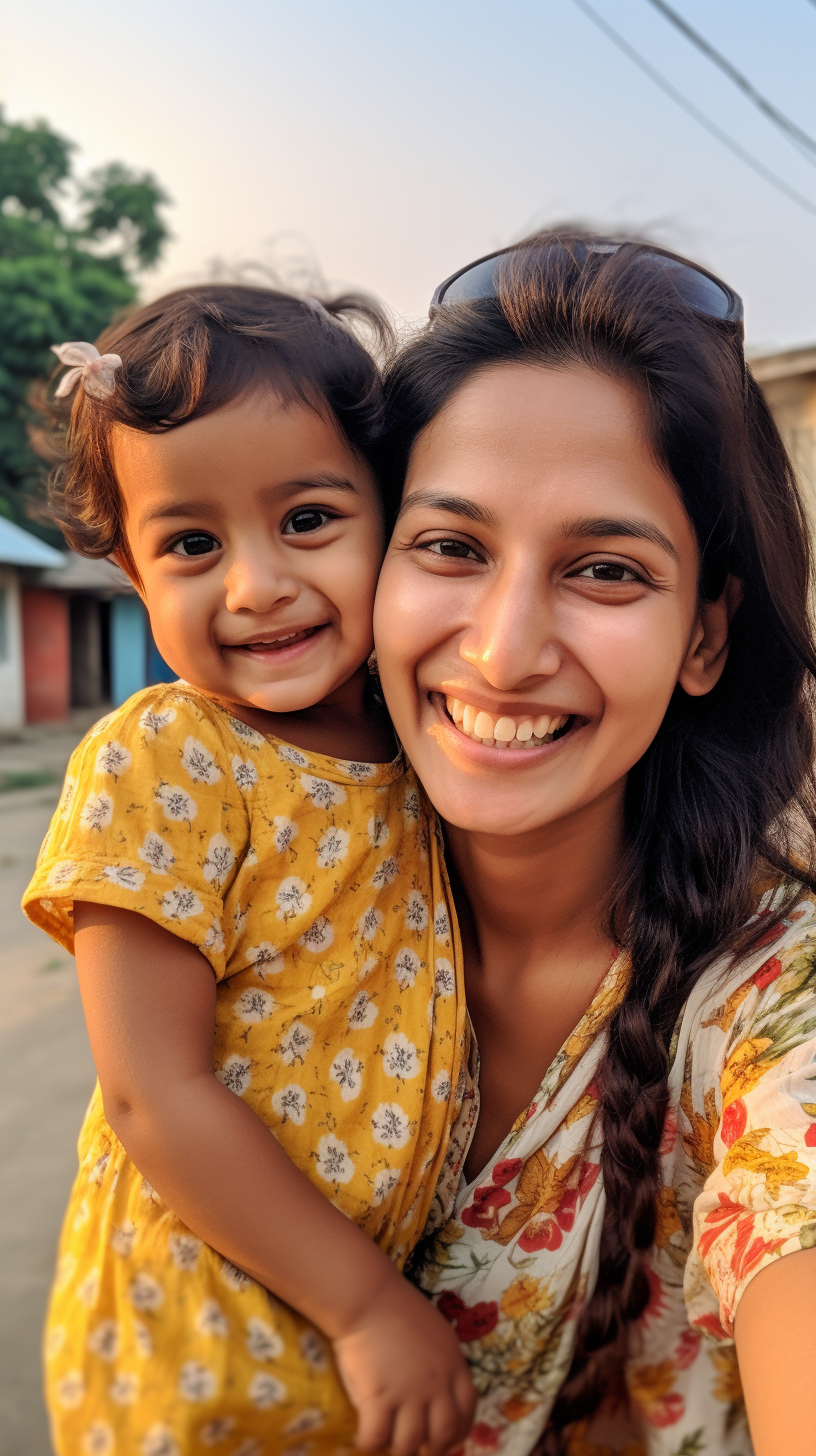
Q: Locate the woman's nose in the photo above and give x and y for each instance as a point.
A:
(254, 584)
(511, 638)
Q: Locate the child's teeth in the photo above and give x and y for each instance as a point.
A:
(505, 729)
(457, 711)
(524, 730)
(469, 719)
(542, 726)
(483, 727)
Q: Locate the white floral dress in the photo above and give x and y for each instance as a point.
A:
(514, 1263)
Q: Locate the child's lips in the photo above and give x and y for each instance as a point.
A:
(277, 645)
(280, 642)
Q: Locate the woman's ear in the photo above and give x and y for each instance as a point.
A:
(708, 649)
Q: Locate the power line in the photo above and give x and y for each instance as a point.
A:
(793, 132)
(687, 106)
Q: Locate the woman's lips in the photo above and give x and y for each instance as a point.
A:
(497, 752)
(500, 729)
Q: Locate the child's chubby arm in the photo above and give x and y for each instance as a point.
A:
(149, 1000)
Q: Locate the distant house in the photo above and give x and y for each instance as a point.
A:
(788, 380)
(73, 633)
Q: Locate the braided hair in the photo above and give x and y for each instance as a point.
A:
(726, 789)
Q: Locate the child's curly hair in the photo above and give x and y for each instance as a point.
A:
(191, 352)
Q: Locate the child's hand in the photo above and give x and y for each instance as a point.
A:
(405, 1375)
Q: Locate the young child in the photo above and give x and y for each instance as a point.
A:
(253, 887)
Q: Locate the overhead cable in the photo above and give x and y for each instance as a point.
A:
(793, 132)
(689, 107)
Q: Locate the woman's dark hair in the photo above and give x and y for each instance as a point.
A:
(193, 351)
(725, 793)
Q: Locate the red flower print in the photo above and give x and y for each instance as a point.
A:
(450, 1305)
(688, 1347)
(670, 1409)
(481, 1213)
(485, 1437)
(507, 1170)
(669, 1136)
(810, 1136)
(767, 973)
(747, 1251)
(531, 1110)
(657, 1298)
(711, 1323)
(478, 1320)
(589, 1172)
(470, 1322)
(565, 1212)
(718, 1220)
(772, 933)
(733, 1122)
(541, 1233)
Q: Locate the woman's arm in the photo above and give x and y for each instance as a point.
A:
(149, 1000)
(775, 1336)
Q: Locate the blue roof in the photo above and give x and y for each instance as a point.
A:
(20, 548)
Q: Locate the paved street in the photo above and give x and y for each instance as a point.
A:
(46, 1076)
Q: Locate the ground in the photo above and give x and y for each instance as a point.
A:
(46, 1078)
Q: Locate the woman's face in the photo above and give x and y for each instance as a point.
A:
(540, 592)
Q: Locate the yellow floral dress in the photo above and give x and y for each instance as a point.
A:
(514, 1263)
(315, 889)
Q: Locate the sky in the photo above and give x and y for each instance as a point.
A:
(382, 145)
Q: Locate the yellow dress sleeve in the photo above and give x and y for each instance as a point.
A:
(151, 819)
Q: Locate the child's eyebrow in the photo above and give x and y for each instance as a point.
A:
(173, 510)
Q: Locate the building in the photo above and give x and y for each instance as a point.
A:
(73, 633)
(788, 381)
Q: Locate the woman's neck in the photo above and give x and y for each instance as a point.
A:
(531, 911)
(541, 888)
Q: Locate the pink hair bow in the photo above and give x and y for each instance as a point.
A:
(94, 369)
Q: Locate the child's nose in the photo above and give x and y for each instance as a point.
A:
(252, 584)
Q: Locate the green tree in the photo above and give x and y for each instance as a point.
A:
(70, 253)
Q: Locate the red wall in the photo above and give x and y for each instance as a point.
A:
(46, 655)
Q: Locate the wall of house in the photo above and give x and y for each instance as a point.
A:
(12, 701)
(46, 655)
(793, 402)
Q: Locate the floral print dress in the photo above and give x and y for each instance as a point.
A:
(315, 889)
(514, 1263)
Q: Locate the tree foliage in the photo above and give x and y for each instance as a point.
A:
(70, 253)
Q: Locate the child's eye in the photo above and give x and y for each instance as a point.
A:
(195, 543)
(303, 521)
(607, 571)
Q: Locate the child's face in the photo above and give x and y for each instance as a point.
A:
(258, 536)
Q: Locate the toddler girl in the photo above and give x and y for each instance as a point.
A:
(255, 893)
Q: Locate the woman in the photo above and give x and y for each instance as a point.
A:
(594, 641)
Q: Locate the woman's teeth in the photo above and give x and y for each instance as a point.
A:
(503, 731)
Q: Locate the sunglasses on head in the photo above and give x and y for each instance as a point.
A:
(701, 290)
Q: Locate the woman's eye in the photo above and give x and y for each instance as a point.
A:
(459, 550)
(607, 571)
(306, 520)
(195, 543)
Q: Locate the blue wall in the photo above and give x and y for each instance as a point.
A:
(135, 660)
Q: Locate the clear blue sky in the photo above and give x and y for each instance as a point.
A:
(396, 140)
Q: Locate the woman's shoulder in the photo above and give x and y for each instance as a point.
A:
(751, 1010)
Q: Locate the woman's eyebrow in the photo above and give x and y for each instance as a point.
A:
(595, 526)
(455, 505)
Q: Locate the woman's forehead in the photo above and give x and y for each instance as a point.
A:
(564, 443)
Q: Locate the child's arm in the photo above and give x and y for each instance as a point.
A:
(149, 1000)
(776, 1349)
